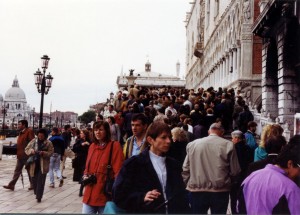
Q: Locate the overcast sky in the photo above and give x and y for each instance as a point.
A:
(88, 41)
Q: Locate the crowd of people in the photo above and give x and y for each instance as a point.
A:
(170, 151)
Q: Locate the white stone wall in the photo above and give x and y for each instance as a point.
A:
(228, 42)
(192, 37)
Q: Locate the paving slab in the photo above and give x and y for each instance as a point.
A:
(59, 200)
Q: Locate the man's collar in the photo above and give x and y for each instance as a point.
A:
(22, 131)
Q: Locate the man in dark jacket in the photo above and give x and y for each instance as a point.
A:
(243, 119)
(59, 150)
(243, 152)
(67, 136)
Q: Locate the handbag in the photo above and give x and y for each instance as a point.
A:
(112, 208)
(69, 153)
(109, 180)
(32, 158)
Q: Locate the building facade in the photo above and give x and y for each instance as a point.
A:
(221, 49)
(148, 78)
(14, 106)
(278, 26)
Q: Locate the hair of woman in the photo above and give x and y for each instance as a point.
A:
(106, 127)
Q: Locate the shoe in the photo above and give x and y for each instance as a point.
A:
(38, 200)
(61, 182)
(51, 185)
(31, 187)
(9, 187)
(64, 177)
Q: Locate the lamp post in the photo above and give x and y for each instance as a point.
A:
(50, 121)
(33, 110)
(61, 120)
(43, 84)
(4, 113)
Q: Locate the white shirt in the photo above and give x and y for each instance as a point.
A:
(159, 164)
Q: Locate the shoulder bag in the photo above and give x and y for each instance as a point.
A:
(32, 158)
(109, 179)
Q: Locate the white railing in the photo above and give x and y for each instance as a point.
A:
(264, 118)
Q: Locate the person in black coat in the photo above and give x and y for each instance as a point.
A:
(273, 147)
(81, 148)
(243, 152)
(178, 146)
(244, 118)
(151, 182)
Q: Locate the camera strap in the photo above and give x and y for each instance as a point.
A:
(109, 167)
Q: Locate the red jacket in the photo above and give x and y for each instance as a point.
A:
(96, 162)
(24, 138)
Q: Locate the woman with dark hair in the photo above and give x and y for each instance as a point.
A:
(151, 182)
(114, 129)
(80, 148)
(94, 198)
(40, 149)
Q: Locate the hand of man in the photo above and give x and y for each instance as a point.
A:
(151, 195)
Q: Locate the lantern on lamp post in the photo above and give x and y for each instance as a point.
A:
(43, 84)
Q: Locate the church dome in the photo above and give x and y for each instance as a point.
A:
(15, 92)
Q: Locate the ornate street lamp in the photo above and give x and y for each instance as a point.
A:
(33, 110)
(61, 120)
(4, 113)
(43, 84)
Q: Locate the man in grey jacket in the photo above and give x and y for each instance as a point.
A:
(207, 170)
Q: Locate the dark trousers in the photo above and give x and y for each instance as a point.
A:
(235, 187)
(18, 171)
(39, 180)
(216, 201)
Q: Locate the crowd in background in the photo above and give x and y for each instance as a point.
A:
(176, 151)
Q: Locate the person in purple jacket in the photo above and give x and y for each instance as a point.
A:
(273, 190)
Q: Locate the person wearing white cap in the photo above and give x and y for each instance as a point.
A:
(209, 164)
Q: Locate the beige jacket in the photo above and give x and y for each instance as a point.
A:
(209, 164)
(48, 150)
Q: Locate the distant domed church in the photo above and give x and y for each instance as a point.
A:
(15, 104)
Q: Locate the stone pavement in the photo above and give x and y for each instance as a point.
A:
(60, 200)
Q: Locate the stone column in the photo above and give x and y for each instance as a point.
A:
(238, 63)
(223, 72)
(234, 69)
(288, 89)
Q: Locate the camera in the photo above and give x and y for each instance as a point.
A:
(92, 179)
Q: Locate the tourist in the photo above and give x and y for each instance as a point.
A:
(134, 143)
(272, 190)
(151, 182)
(59, 150)
(99, 152)
(207, 170)
(40, 149)
(80, 148)
(25, 136)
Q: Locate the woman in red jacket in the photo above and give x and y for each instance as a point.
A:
(94, 198)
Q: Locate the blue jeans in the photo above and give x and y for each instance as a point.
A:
(87, 209)
(54, 167)
(216, 201)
